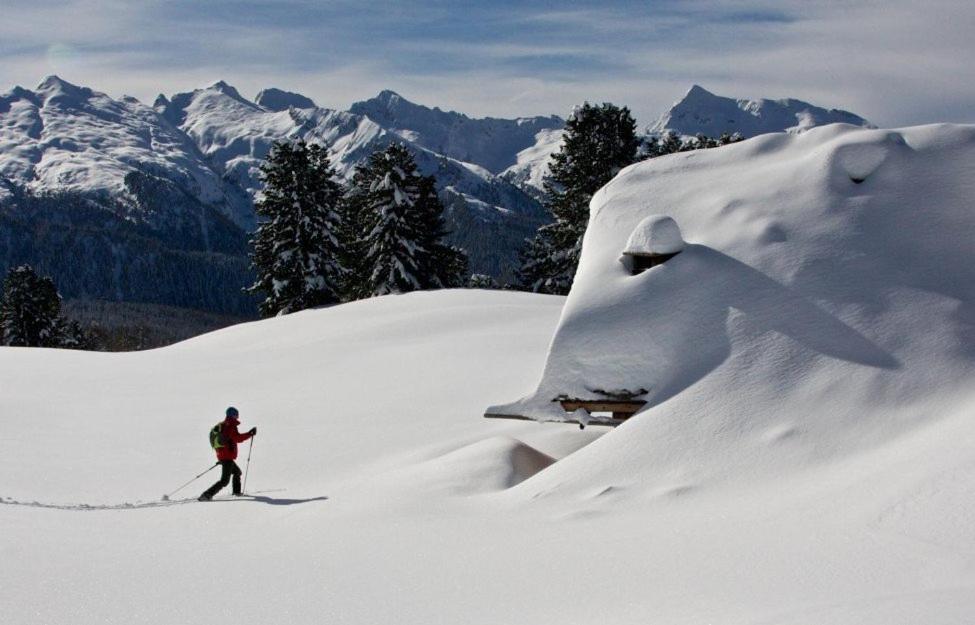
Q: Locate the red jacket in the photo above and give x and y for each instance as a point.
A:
(232, 436)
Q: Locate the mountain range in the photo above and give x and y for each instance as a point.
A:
(123, 201)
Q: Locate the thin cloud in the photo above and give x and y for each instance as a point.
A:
(895, 62)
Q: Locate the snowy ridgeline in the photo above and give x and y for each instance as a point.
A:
(826, 292)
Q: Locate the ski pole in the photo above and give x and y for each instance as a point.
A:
(167, 496)
(243, 488)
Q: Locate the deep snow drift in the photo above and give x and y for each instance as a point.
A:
(829, 289)
(806, 457)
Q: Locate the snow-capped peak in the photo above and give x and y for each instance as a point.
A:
(55, 89)
(489, 142)
(701, 111)
(696, 92)
(390, 96)
(274, 99)
(55, 82)
(225, 88)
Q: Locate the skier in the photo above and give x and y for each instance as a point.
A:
(226, 448)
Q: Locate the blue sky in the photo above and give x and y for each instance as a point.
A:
(894, 62)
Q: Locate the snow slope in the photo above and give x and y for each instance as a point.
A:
(531, 166)
(382, 497)
(701, 111)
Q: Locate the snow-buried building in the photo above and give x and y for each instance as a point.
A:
(827, 285)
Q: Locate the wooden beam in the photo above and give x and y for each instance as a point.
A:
(614, 406)
(568, 419)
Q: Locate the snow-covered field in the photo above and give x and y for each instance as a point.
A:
(806, 457)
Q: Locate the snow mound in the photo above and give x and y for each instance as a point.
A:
(489, 465)
(657, 234)
(825, 307)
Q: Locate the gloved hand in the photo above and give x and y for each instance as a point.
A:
(253, 432)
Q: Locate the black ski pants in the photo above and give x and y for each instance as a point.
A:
(228, 469)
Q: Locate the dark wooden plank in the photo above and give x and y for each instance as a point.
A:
(619, 406)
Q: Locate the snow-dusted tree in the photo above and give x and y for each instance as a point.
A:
(482, 281)
(656, 145)
(403, 248)
(295, 249)
(73, 336)
(353, 210)
(30, 311)
(599, 141)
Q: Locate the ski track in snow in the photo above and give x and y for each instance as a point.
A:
(144, 505)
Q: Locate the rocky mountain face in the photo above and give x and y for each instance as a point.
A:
(701, 111)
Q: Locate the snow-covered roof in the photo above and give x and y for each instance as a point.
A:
(657, 234)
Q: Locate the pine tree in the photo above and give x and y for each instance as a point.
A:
(403, 248)
(599, 141)
(30, 310)
(296, 252)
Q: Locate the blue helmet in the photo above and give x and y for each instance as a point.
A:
(232, 412)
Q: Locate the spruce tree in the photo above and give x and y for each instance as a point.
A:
(73, 336)
(30, 310)
(296, 253)
(599, 141)
(354, 221)
(445, 266)
(403, 217)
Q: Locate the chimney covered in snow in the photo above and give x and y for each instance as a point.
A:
(655, 240)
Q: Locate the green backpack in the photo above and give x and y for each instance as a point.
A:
(217, 438)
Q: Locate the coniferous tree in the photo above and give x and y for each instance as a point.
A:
(295, 249)
(482, 281)
(353, 211)
(403, 217)
(670, 143)
(30, 313)
(599, 141)
(445, 266)
(73, 336)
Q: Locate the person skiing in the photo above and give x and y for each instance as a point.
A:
(226, 447)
